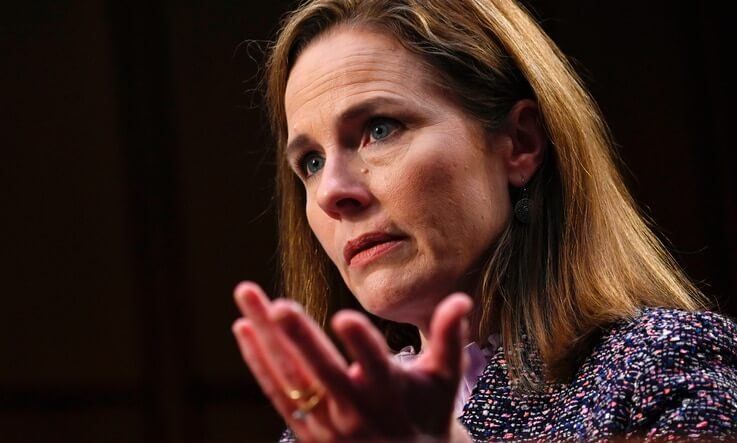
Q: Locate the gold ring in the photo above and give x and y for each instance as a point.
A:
(306, 400)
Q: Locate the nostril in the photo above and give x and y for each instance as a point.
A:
(348, 203)
(341, 191)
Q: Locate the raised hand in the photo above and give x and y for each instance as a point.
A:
(324, 398)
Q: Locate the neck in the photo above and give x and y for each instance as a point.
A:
(423, 340)
(425, 337)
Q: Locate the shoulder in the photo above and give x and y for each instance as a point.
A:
(657, 323)
(682, 371)
(660, 343)
(664, 373)
(670, 338)
(666, 339)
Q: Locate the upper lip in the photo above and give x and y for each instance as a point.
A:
(365, 241)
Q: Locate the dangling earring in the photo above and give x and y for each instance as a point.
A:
(522, 207)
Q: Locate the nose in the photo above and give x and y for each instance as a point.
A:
(343, 191)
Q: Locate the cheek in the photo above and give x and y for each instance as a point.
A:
(461, 201)
(427, 186)
(419, 188)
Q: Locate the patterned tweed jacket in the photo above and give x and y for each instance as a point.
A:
(667, 374)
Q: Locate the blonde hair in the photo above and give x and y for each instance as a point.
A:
(586, 259)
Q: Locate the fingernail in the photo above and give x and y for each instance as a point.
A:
(283, 308)
(292, 306)
(242, 287)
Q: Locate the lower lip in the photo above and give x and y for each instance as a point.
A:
(373, 253)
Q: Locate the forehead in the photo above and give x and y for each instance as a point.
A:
(348, 63)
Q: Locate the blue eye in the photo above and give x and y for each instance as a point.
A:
(382, 128)
(311, 163)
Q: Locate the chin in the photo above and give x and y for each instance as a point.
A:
(413, 304)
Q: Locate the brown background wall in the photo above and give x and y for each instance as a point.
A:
(135, 184)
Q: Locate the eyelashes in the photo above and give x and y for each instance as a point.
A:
(377, 130)
(381, 128)
(310, 163)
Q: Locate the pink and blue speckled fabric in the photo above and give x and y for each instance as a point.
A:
(667, 374)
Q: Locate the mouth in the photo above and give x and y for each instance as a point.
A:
(368, 247)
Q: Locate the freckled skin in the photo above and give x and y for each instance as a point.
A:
(440, 179)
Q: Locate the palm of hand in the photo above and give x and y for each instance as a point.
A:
(375, 398)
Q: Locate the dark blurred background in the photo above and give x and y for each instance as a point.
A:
(136, 183)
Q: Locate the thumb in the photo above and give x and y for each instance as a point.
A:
(449, 330)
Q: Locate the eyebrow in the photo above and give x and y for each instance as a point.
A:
(299, 143)
(365, 107)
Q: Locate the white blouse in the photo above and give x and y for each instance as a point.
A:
(477, 362)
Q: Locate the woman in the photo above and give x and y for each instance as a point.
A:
(442, 169)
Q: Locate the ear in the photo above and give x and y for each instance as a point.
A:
(524, 131)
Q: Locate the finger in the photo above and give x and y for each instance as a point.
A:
(252, 301)
(264, 372)
(289, 367)
(286, 368)
(365, 344)
(448, 331)
(372, 371)
(314, 427)
(319, 353)
(316, 349)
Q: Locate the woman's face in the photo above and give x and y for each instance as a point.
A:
(405, 191)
